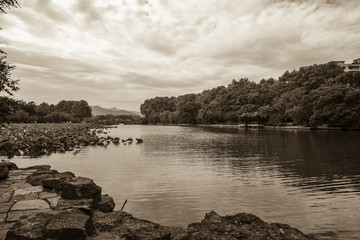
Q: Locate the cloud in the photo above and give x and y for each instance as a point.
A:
(122, 52)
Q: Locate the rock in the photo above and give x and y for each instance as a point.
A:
(30, 205)
(28, 190)
(84, 205)
(139, 140)
(47, 195)
(116, 140)
(40, 167)
(106, 204)
(241, 226)
(5, 207)
(58, 181)
(37, 177)
(126, 226)
(69, 225)
(81, 188)
(14, 216)
(5, 167)
(29, 227)
(105, 235)
(4, 170)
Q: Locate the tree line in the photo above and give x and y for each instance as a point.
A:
(18, 111)
(310, 96)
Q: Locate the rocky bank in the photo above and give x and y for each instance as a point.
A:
(41, 203)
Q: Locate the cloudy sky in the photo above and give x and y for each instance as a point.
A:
(117, 53)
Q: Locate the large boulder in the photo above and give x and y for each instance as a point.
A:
(69, 225)
(29, 227)
(5, 167)
(4, 170)
(81, 188)
(37, 177)
(58, 180)
(241, 226)
(84, 205)
(106, 204)
(126, 226)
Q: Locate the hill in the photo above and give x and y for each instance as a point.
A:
(97, 110)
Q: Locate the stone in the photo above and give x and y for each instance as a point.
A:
(81, 188)
(53, 201)
(46, 195)
(29, 227)
(17, 177)
(23, 171)
(58, 181)
(2, 217)
(14, 216)
(241, 226)
(40, 167)
(30, 205)
(36, 180)
(28, 190)
(5, 207)
(105, 235)
(5, 197)
(3, 234)
(84, 205)
(4, 170)
(29, 196)
(69, 225)
(126, 226)
(106, 204)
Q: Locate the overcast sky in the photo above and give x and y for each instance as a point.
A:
(118, 53)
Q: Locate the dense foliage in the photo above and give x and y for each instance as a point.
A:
(311, 96)
(22, 112)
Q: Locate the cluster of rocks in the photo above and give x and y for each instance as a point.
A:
(43, 204)
(42, 139)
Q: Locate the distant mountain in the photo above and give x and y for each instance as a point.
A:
(97, 110)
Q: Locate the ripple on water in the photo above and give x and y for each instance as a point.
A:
(307, 179)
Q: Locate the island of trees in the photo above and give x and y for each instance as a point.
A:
(310, 96)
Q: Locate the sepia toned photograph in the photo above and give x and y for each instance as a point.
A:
(179, 120)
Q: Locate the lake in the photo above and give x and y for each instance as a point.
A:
(307, 179)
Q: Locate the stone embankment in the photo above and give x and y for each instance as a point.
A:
(42, 139)
(38, 203)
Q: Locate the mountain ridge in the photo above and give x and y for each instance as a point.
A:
(97, 110)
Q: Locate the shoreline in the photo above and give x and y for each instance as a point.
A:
(41, 203)
(238, 126)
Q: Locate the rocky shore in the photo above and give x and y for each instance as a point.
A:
(42, 139)
(41, 203)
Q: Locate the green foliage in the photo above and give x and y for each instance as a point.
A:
(311, 96)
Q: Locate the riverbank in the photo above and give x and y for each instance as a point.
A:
(43, 139)
(41, 203)
(261, 126)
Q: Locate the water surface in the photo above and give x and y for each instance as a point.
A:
(307, 179)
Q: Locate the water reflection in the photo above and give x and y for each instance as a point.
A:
(308, 179)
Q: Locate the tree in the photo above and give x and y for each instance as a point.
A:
(4, 4)
(7, 84)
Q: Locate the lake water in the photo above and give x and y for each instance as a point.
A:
(307, 179)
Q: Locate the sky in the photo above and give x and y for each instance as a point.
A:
(118, 53)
